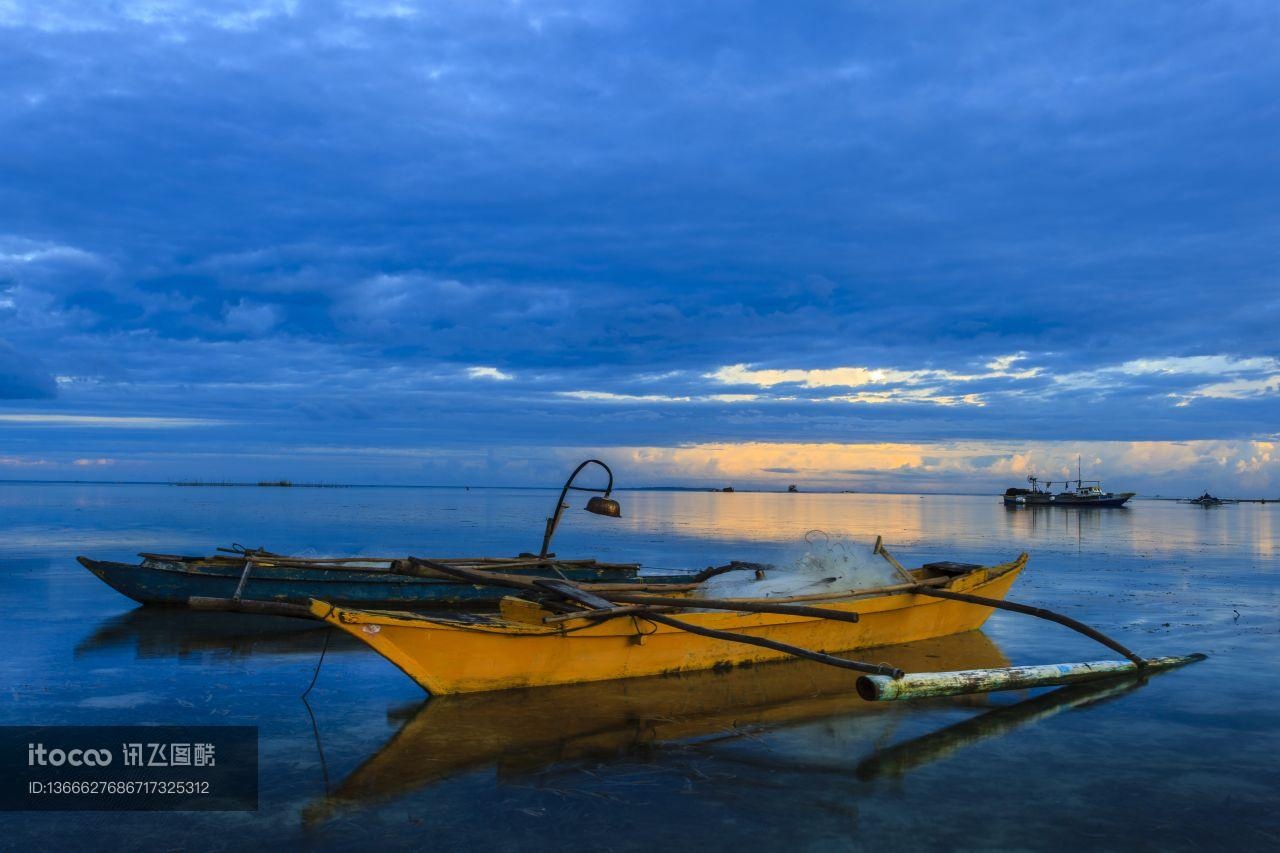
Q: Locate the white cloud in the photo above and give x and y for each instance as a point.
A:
(16, 251)
(489, 373)
(1234, 389)
(1197, 364)
(857, 377)
(908, 395)
(104, 421)
(609, 397)
(61, 16)
(899, 386)
(1211, 376)
(847, 377)
(1222, 377)
(22, 462)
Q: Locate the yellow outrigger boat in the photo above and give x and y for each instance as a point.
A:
(568, 634)
(518, 648)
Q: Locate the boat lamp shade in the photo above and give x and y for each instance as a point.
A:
(604, 506)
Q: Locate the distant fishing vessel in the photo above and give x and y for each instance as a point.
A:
(1087, 493)
(1207, 500)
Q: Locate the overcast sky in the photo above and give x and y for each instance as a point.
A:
(920, 246)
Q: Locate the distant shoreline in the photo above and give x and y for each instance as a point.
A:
(691, 489)
(264, 484)
(301, 485)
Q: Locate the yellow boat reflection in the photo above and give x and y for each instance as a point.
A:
(521, 730)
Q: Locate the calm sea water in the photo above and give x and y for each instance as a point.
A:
(784, 755)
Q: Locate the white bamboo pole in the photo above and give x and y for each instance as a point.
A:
(919, 685)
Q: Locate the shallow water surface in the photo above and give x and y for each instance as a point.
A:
(755, 758)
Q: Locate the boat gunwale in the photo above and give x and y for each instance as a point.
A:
(321, 574)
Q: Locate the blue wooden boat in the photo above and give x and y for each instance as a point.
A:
(172, 580)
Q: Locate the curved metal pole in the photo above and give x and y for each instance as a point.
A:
(554, 520)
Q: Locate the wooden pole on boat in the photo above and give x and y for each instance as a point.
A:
(739, 606)
(1040, 612)
(879, 548)
(919, 685)
(266, 608)
(244, 578)
(782, 599)
(418, 567)
(854, 593)
(605, 604)
(879, 670)
(889, 558)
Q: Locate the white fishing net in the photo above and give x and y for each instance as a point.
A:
(828, 565)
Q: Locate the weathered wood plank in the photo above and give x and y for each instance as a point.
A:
(266, 608)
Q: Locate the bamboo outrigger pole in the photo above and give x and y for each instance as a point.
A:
(920, 685)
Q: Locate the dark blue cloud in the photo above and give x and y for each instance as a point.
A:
(22, 377)
(319, 216)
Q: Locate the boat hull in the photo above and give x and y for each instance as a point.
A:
(473, 654)
(1068, 501)
(172, 583)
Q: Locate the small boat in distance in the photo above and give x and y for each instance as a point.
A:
(1207, 500)
(1087, 493)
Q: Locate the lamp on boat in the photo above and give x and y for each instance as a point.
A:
(600, 504)
(604, 506)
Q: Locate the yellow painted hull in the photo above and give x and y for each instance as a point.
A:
(470, 654)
